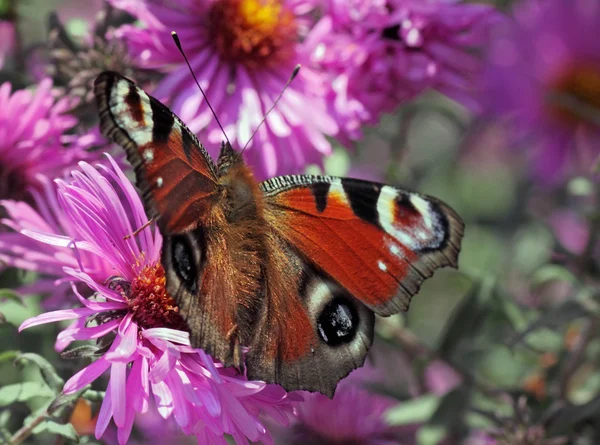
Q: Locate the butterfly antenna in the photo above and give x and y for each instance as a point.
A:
(178, 43)
(287, 84)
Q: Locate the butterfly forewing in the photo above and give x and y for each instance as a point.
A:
(179, 186)
(175, 174)
(377, 242)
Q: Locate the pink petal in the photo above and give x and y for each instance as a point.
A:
(51, 317)
(86, 375)
(118, 392)
(105, 413)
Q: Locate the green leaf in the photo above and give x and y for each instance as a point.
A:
(5, 418)
(48, 372)
(94, 396)
(452, 407)
(558, 316)
(8, 356)
(417, 410)
(65, 399)
(21, 392)
(79, 352)
(463, 323)
(11, 295)
(552, 272)
(60, 429)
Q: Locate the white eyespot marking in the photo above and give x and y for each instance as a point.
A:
(386, 205)
(126, 116)
(426, 234)
(148, 155)
(424, 209)
(382, 266)
(159, 182)
(336, 190)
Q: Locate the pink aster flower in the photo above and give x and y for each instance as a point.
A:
(243, 52)
(544, 77)
(381, 53)
(354, 416)
(149, 358)
(34, 139)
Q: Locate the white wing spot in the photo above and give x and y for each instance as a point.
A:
(381, 265)
(140, 132)
(159, 182)
(395, 250)
(148, 155)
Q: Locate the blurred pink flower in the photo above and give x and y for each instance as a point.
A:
(7, 40)
(571, 230)
(544, 77)
(149, 356)
(354, 416)
(441, 378)
(34, 139)
(382, 53)
(243, 52)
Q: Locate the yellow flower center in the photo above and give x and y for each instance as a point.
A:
(255, 33)
(575, 96)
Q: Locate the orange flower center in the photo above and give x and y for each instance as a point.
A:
(151, 305)
(255, 33)
(575, 96)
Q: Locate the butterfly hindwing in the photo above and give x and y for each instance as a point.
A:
(177, 178)
(310, 332)
(377, 242)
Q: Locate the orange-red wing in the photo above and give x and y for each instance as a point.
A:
(377, 242)
(175, 174)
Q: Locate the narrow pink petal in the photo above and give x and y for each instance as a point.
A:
(125, 431)
(163, 399)
(105, 413)
(118, 392)
(181, 408)
(47, 238)
(51, 317)
(172, 335)
(82, 333)
(126, 346)
(86, 375)
(164, 365)
(137, 385)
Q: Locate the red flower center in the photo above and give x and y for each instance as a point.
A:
(255, 33)
(575, 96)
(151, 305)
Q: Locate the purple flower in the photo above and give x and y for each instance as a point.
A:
(544, 77)
(353, 416)
(379, 54)
(243, 52)
(34, 139)
(148, 353)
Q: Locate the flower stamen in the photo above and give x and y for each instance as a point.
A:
(255, 33)
(149, 301)
(575, 96)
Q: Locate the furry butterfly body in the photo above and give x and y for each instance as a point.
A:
(294, 268)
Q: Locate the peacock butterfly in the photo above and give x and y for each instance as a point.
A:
(294, 268)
